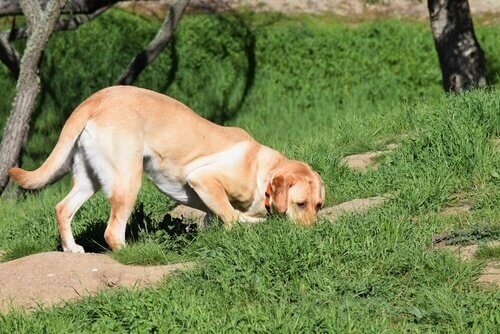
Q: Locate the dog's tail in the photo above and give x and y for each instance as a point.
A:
(57, 164)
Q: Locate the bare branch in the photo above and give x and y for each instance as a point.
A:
(9, 55)
(13, 7)
(156, 46)
(68, 23)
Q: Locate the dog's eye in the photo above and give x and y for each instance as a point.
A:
(318, 206)
(302, 205)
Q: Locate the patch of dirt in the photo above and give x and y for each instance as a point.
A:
(50, 278)
(358, 205)
(491, 273)
(363, 161)
(455, 210)
(348, 8)
(465, 253)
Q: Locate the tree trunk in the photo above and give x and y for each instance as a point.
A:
(156, 46)
(460, 56)
(40, 24)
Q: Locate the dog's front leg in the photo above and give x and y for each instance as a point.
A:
(242, 218)
(213, 194)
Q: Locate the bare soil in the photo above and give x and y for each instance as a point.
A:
(455, 210)
(346, 8)
(465, 253)
(50, 278)
(491, 273)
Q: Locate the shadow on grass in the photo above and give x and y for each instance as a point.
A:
(140, 224)
(492, 71)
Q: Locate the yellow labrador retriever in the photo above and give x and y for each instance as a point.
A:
(119, 132)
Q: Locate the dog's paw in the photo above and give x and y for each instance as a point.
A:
(247, 219)
(228, 226)
(74, 249)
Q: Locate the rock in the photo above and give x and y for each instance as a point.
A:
(185, 212)
(362, 161)
(359, 205)
(393, 146)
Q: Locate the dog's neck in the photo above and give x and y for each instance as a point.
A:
(267, 198)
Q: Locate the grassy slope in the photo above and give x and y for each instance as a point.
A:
(320, 91)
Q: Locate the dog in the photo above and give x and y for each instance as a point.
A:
(122, 131)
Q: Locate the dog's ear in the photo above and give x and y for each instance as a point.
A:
(279, 186)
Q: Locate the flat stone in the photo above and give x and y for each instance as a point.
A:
(393, 146)
(358, 205)
(186, 212)
(362, 161)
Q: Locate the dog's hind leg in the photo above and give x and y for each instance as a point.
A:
(122, 197)
(84, 186)
(116, 157)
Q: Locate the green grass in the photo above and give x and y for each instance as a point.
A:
(319, 91)
(488, 252)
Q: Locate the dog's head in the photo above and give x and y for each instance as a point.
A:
(297, 191)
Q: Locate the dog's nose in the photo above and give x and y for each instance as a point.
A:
(308, 220)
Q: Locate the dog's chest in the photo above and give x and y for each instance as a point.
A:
(172, 188)
(177, 190)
